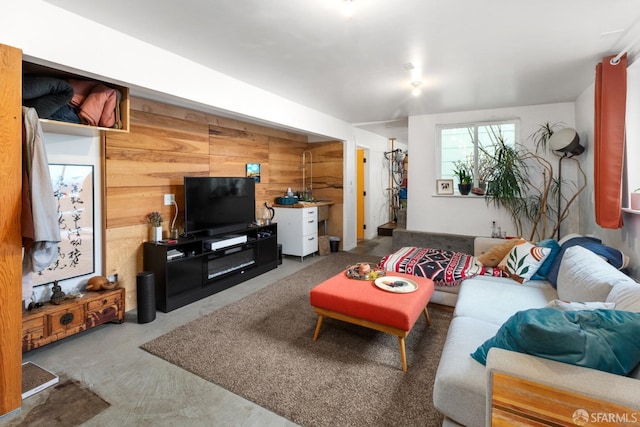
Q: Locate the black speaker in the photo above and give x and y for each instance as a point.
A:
(279, 253)
(145, 288)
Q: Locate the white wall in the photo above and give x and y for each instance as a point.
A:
(470, 215)
(62, 38)
(55, 37)
(627, 238)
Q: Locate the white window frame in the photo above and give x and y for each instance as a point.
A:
(475, 126)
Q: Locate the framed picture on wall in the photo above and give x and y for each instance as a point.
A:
(73, 194)
(444, 186)
(253, 171)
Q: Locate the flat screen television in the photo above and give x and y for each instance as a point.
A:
(215, 205)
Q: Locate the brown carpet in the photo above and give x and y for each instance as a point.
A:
(261, 348)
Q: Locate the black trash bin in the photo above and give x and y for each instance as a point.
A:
(146, 297)
(334, 243)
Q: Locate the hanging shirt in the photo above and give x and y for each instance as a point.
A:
(40, 229)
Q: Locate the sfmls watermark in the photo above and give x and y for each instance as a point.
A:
(582, 417)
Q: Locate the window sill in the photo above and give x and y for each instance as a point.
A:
(460, 196)
(631, 211)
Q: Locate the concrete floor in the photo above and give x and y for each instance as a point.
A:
(144, 390)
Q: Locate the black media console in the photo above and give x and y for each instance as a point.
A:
(190, 269)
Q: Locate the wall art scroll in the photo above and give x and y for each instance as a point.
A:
(73, 193)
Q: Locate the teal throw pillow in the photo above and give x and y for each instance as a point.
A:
(606, 340)
(543, 271)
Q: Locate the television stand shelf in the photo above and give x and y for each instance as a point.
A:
(189, 270)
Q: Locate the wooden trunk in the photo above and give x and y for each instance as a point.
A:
(54, 322)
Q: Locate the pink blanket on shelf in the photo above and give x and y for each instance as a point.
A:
(96, 103)
(445, 268)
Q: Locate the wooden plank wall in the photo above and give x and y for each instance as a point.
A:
(10, 230)
(165, 143)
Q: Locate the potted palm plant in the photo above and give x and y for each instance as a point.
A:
(465, 177)
(524, 183)
(155, 221)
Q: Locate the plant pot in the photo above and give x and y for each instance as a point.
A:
(156, 233)
(634, 199)
(464, 189)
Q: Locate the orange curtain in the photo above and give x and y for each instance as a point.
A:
(610, 106)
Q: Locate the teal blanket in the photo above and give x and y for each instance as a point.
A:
(607, 340)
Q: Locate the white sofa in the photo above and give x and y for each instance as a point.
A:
(462, 389)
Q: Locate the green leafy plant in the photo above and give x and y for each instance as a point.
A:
(507, 181)
(155, 219)
(541, 136)
(523, 183)
(464, 172)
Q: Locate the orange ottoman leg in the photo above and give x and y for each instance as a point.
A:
(318, 324)
(403, 354)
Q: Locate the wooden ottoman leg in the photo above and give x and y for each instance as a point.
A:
(318, 324)
(403, 353)
(426, 316)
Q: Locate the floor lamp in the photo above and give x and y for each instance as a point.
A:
(566, 143)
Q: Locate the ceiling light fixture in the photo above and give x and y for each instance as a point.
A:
(348, 8)
(416, 88)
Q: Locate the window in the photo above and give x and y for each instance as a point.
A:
(470, 144)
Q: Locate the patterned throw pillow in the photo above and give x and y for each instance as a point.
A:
(524, 260)
(543, 271)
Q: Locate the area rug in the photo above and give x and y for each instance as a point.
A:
(68, 403)
(261, 348)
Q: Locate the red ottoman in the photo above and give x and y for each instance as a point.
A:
(363, 303)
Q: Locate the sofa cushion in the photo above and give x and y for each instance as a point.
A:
(493, 256)
(543, 271)
(523, 260)
(461, 381)
(494, 300)
(626, 296)
(613, 256)
(584, 276)
(600, 339)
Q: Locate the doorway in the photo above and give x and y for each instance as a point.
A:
(360, 193)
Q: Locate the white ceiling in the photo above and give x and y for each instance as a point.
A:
(470, 54)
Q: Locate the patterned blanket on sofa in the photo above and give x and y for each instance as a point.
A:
(445, 268)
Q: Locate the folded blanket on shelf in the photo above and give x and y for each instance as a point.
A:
(96, 103)
(445, 268)
(46, 94)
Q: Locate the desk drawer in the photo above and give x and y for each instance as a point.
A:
(309, 243)
(100, 303)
